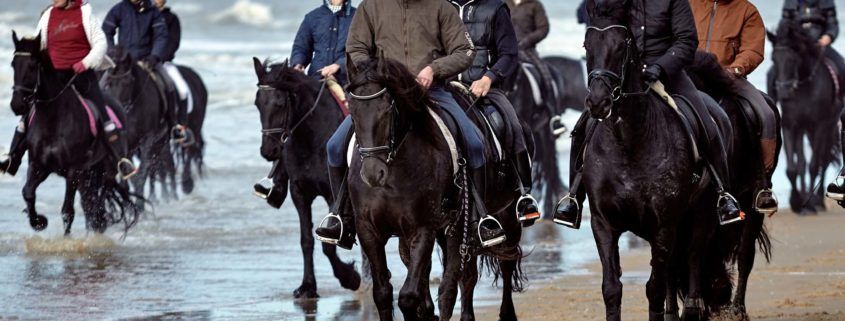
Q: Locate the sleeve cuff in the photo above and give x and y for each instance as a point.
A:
(492, 75)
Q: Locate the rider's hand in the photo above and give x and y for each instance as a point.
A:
(481, 87)
(79, 67)
(330, 70)
(426, 77)
(153, 60)
(651, 74)
(825, 41)
(299, 68)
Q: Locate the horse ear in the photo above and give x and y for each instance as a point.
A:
(15, 38)
(259, 68)
(772, 37)
(286, 63)
(38, 39)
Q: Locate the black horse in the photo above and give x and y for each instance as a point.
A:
(811, 101)
(146, 108)
(61, 142)
(571, 90)
(402, 183)
(191, 153)
(735, 244)
(641, 175)
(298, 116)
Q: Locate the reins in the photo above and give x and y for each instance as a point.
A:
(288, 132)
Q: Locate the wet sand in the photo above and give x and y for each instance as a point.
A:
(804, 282)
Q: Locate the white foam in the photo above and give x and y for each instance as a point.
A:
(246, 12)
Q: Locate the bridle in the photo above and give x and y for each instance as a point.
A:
(31, 94)
(795, 83)
(615, 82)
(286, 132)
(391, 148)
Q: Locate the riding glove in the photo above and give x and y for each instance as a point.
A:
(652, 73)
(152, 60)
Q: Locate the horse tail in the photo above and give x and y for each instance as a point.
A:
(546, 171)
(492, 263)
(764, 242)
(194, 155)
(121, 205)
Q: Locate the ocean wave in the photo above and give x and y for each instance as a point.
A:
(246, 12)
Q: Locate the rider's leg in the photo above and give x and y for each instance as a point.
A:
(713, 150)
(87, 85)
(492, 233)
(547, 83)
(569, 208)
(340, 223)
(16, 150)
(765, 202)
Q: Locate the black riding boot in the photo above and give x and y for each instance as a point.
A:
(180, 133)
(727, 207)
(490, 231)
(11, 164)
(119, 148)
(338, 228)
(568, 210)
(527, 209)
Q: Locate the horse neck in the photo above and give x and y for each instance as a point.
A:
(317, 127)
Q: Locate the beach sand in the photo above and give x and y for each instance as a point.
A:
(805, 280)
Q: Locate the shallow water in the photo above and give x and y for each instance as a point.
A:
(221, 253)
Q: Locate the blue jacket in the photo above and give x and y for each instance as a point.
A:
(321, 40)
(142, 29)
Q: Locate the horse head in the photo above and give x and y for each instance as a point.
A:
(609, 48)
(280, 90)
(795, 55)
(386, 102)
(120, 81)
(26, 64)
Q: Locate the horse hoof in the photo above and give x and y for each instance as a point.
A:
(306, 292)
(735, 312)
(38, 223)
(188, 186)
(350, 280)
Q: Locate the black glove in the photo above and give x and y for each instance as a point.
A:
(652, 73)
(153, 60)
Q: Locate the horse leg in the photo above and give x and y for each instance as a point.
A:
(92, 203)
(68, 211)
(671, 313)
(34, 178)
(144, 167)
(373, 247)
(469, 279)
(308, 288)
(447, 294)
(344, 272)
(656, 287)
(745, 261)
(411, 298)
(171, 174)
(792, 146)
(187, 174)
(607, 242)
(702, 232)
(507, 312)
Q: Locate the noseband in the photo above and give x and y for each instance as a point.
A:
(287, 131)
(391, 147)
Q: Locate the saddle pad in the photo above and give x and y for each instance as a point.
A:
(92, 118)
(657, 88)
(447, 135)
(834, 76)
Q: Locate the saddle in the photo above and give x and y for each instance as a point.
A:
(535, 79)
(485, 114)
(94, 116)
(165, 86)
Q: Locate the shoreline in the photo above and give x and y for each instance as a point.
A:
(804, 282)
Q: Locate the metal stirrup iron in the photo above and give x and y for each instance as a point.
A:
(570, 198)
(492, 242)
(266, 183)
(323, 224)
(727, 196)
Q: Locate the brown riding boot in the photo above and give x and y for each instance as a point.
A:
(766, 202)
(767, 151)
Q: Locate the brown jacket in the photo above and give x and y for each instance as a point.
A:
(732, 30)
(530, 22)
(417, 33)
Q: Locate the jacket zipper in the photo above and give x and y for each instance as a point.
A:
(710, 26)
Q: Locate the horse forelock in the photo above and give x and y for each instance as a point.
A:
(792, 35)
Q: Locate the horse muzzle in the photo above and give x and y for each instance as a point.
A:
(270, 150)
(600, 106)
(374, 172)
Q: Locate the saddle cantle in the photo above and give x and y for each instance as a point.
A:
(534, 78)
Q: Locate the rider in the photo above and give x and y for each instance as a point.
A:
(489, 25)
(664, 32)
(321, 43)
(75, 44)
(174, 38)
(738, 44)
(144, 36)
(532, 26)
(440, 50)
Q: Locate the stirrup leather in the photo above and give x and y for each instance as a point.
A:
(523, 218)
(570, 198)
(326, 240)
(266, 184)
(765, 211)
(728, 196)
(839, 181)
(488, 243)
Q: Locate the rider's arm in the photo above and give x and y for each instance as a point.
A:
(160, 33)
(460, 51)
(541, 31)
(303, 45)
(96, 39)
(506, 46)
(174, 39)
(752, 44)
(832, 24)
(110, 24)
(42, 27)
(682, 51)
(360, 44)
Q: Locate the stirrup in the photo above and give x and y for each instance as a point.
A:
(124, 161)
(189, 139)
(728, 196)
(178, 131)
(529, 217)
(266, 184)
(488, 243)
(327, 240)
(571, 198)
(839, 181)
(765, 211)
(557, 131)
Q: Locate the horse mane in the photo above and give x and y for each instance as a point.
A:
(608, 12)
(283, 77)
(709, 76)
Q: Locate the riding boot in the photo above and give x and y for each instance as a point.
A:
(569, 208)
(119, 148)
(12, 162)
(765, 202)
(727, 207)
(490, 230)
(527, 209)
(338, 228)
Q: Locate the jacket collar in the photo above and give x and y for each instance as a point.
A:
(142, 6)
(347, 7)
